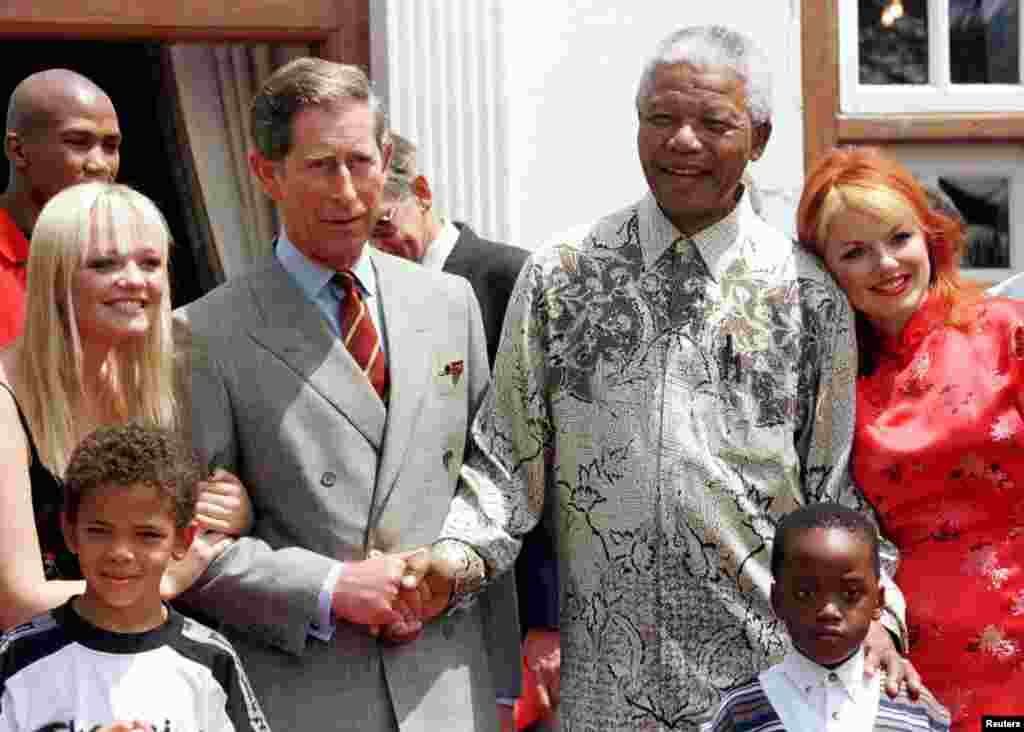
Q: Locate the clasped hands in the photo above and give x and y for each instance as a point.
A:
(223, 511)
(394, 595)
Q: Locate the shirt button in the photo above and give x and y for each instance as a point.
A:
(833, 676)
(808, 689)
(328, 479)
(835, 716)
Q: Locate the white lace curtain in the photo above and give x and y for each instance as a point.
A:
(214, 84)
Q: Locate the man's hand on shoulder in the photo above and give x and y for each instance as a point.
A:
(880, 653)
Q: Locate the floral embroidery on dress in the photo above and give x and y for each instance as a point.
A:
(1017, 603)
(916, 384)
(983, 561)
(993, 641)
(999, 478)
(1017, 341)
(948, 530)
(893, 473)
(954, 400)
(971, 466)
(1004, 427)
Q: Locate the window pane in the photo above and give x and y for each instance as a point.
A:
(893, 39)
(984, 205)
(984, 41)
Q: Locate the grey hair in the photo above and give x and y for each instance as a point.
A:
(716, 46)
(402, 167)
(307, 82)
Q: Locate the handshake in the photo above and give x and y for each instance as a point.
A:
(394, 595)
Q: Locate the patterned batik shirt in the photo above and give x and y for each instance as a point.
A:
(670, 397)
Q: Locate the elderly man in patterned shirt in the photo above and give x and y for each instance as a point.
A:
(671, 385)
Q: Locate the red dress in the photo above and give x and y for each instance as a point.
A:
(939, 451)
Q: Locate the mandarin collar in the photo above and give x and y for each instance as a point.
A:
(932, 313)
(714, 243)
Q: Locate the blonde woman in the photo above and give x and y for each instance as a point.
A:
(96, 349)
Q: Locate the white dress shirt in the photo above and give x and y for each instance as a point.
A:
(811, 698)
(438, 250)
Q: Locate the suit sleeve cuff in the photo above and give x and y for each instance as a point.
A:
(323, 627)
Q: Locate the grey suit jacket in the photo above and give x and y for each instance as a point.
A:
(278, 399)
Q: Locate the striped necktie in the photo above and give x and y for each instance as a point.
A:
(359, 334)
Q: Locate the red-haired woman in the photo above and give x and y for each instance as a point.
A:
(939, 445)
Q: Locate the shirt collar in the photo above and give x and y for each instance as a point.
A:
(312, 277)
(13, 244)
(441, 247)
(931, 313)
(805, 673)
(714, 243)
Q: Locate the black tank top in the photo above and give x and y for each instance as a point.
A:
(47, 497)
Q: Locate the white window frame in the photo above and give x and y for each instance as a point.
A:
(996, 161)
(939, 95)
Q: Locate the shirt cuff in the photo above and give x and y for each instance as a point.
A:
(504, 701)
(469, 571)
(323, 627)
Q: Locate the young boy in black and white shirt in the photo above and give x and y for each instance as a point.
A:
(117, 653)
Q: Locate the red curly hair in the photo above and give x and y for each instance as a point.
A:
(867, 180)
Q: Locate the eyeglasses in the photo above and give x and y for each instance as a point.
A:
(385, 226)
(389, 213)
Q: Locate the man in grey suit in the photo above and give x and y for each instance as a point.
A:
(338, 383)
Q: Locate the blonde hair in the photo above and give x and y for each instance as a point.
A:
(49, 357)
(883, 204)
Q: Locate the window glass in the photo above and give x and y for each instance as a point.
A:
(893, 41)
(984, 41)
(984, 206)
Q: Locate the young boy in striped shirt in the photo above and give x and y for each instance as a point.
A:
(826, 567)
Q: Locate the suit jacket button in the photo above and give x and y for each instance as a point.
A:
(328, 479)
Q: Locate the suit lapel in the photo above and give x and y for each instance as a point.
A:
(462, 259)
(294, 329)
(409, 347)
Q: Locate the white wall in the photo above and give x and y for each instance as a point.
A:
(440, 66)
(564, 81)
